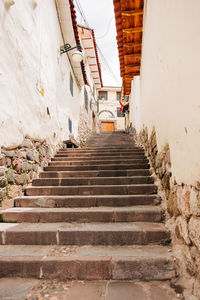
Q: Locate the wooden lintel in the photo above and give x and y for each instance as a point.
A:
(92, 65)
(88, 48)
(94, 71)
(132, 30)
(132, 12)
(91, 57)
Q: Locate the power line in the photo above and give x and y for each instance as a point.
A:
(109, 23)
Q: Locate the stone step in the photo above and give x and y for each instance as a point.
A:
(131, 189)
(110, 167)
(88, 263)
(105, 151)
(92, 181)
(86, 201)
(108, 173)
(80, 215)
(98, 157)
(136, 233)
(98, 162)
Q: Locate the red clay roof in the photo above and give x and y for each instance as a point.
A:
(96, 52)
(129, 22)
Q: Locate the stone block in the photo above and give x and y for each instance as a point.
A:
(194, 231)
(8, 162)
(2, 171)
(182, 227)
(37, 157)
(14, 191)
(30, 155)
(3, 182)
(194, 202)
(2, 160)
(183, 200)
(9, 153)
(20, 179)
(27, 143)
(22, 154)
(16, 164)
(172, 206)
(10, 176)
(2, 193)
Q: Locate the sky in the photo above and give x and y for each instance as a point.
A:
(100, 16)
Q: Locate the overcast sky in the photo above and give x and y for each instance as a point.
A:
(99, 14)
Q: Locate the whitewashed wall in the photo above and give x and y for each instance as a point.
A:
(30, 64)
(170, 82)
(135, 104)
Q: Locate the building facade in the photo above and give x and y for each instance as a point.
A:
(111, 118)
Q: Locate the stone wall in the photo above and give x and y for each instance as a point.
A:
(19, 166)
(181, 204)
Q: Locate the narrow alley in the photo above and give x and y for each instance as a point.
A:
(99, 150)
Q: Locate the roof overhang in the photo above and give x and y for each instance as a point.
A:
(129, 24)
(67, 18)
(89, 44)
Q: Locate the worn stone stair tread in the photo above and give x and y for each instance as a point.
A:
(93, 173)
(93, 181)
(98, 162)
(87, 262)
(98, 167)
(98, 157)
(85, 201)
(92, 189)
(89, 214)
(130, 233)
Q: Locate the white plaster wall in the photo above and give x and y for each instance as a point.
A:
(170, 81)
(30, 40)
(135, 104)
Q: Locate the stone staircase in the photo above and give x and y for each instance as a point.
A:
(93, 214)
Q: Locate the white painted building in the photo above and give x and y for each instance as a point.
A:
(43, 93)
(110, 116)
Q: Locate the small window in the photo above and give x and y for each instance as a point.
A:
(70, 125)
(120, 114)
(103, 95)
(71, 85)
(86, 99)
(118, 96)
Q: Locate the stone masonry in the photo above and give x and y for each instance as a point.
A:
(182, 213)
(20, 165)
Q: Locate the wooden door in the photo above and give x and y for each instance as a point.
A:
(107, 126)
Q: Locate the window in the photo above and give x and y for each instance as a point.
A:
(118, 96)
(103, 95)
(120, 114)
(70, 125)
(71, 85)
(86, 99)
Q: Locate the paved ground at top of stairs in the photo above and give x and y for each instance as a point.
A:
(31, 289)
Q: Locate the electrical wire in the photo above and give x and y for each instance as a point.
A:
(109, 23)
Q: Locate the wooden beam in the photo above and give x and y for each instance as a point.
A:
(130, 13)
(88, 48)
(132, 44)
(94, 71)
(92, 65)
(84, 39)
(132, 30)
(132, 55)
(133, 65)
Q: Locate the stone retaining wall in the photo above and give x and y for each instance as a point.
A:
(181, 204)
(19, 166)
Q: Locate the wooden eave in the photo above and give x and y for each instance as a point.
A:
(129, 25)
